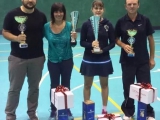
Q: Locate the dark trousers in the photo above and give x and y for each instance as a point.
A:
(142, 74)
(61, 70)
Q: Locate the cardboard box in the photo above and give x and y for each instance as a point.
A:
(88, 111)
(147, 95)
(117, 117)
(58, 99)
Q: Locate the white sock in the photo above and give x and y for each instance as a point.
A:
(104, 108)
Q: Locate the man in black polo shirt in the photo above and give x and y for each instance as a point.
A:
(132, 32)
(23, 26)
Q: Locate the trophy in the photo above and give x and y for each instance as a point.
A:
(22, 27)
(131, 41)
(95, 25)
(74, 18)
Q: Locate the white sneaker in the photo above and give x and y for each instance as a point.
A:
(128, 118)
(151, 118)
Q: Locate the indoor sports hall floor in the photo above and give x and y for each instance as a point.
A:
(43, 111)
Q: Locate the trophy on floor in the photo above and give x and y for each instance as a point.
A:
(131, 41)
(95, 25)
(22, 27)
(74, 20)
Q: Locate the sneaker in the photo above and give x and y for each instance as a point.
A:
(127, 118)
(104, 112)
(150, 118)
(70, 117)
(53, 115)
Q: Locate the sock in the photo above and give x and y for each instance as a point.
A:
(104, 108)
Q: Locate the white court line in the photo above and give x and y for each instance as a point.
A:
(79, 86)
(42, 79)
(45, 75)
(110, 78)
(4, 43)
(75, 88)
(158, 70)
(77, 55)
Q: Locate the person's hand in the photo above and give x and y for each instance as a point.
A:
(127, 48)
(151, 63)
(95, 43)
(73, 35)
(21, 38)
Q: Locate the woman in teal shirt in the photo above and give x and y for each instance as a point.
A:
(60, 57)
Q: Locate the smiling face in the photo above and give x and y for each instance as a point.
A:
(58, 15)
(97, 8)
(58, 12)
(29, 4)
(132, 6)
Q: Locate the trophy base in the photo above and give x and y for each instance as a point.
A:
(23, 45)
(131, 54)
(96, 50)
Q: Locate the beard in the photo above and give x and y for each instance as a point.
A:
(29, 7)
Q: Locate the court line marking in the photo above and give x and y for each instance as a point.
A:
(43, 77)
(158, 70)
(80, 55)
(77, 87)
(3, 60)
(75, 67)
(96, 86)
(99, 89)
(109, 98)
(46, 74)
